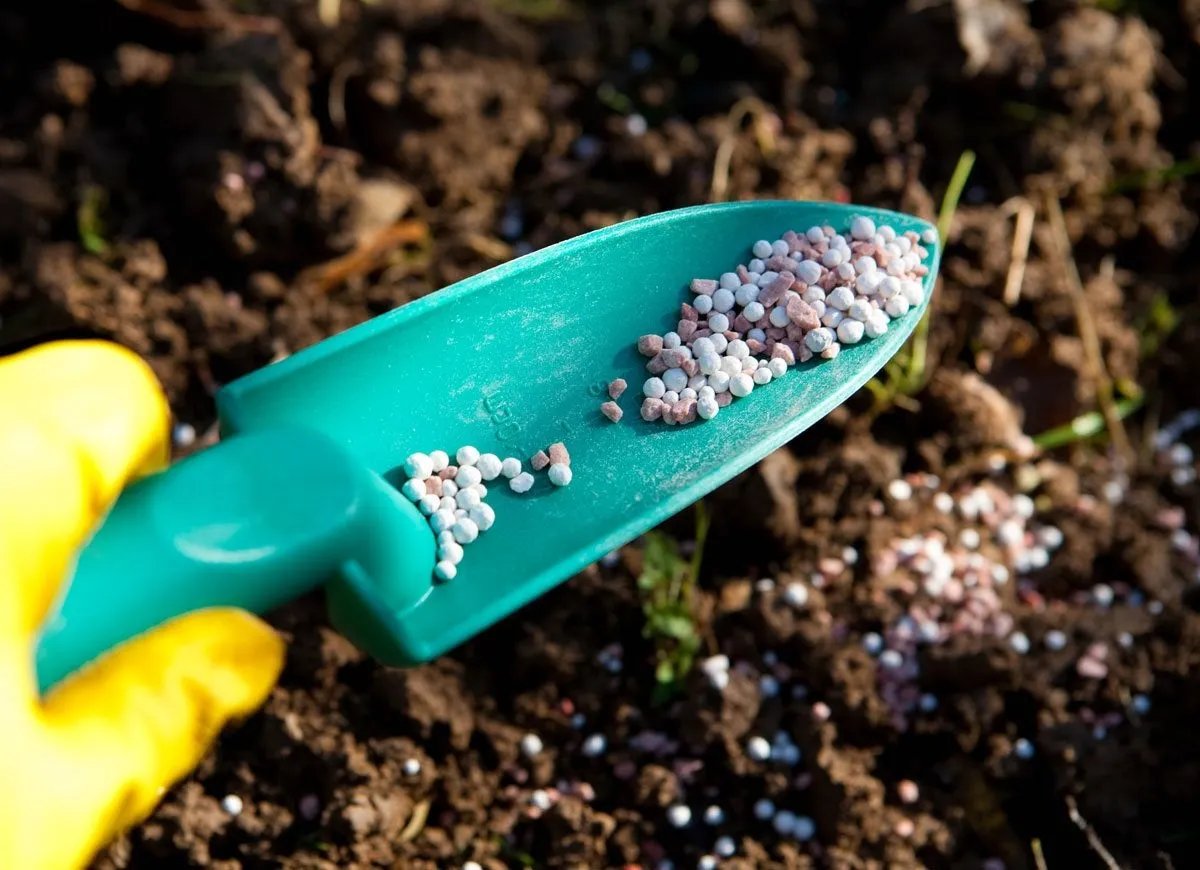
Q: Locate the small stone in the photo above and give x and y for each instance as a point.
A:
(650, 345)
(802, 314)
(783, 352)
(652, 409)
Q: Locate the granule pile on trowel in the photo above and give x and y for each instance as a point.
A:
(798, 298)
(452, 494)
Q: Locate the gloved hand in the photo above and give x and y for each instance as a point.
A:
(79, 420)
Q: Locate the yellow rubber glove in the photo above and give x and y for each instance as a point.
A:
(79, 420)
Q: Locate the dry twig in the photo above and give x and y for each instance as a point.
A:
(1039, 859)
(342, 73)
(416, 823)
(489, 246)
(1022, 234)
(366, 256)
(1087, 332)
(1092, 837)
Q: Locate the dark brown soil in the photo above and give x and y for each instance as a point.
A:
(217, 163)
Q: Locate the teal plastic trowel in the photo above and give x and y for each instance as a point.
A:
(302, 490)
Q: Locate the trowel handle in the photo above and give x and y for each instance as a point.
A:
(252, 522)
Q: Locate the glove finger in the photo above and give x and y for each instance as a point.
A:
(80, 420)
(132, 723)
